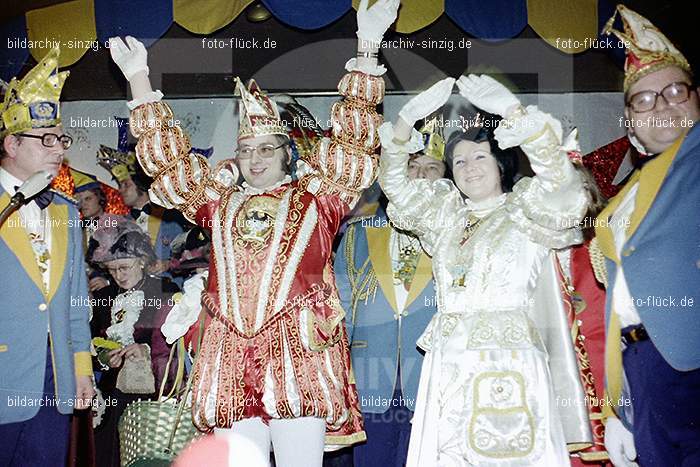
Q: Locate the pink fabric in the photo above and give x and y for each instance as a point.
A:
(209, 451)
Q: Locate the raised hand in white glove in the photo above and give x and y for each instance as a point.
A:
(487, 94)
(620, 444)
(131, 57)
(373, 22)
(427, 101)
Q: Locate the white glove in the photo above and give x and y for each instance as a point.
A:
(619, 443)
(186, 311)
(131, 58)
(372, 23)
(427, 101)
(487, 94)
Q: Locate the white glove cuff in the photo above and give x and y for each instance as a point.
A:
(377, 70)
(370, 40)
(516, 131)
(128, 74)
(412, 146)
(153, 96)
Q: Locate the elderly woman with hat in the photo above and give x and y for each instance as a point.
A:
(129, 314)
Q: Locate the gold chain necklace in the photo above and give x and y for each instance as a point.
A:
(469, 230)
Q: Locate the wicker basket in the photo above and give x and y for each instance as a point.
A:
(152, 433)
(145, 429)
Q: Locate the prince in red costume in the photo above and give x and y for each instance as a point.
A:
(274, 364)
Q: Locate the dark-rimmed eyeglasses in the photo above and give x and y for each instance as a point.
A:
(266, 150)
(674, 94)
(50, 139)
(123, 269)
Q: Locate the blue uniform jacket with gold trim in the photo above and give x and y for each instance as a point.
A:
(377, 339)
(27, 312)
(661, 258)
(163, 226)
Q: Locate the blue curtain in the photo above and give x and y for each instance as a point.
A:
(308, 14)
(492, 20)
(146, 20)
(14, 51)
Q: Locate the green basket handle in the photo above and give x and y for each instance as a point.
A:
(181, 408)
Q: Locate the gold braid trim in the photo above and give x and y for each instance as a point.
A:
(346, 440)
(361, 290)
(598, 262)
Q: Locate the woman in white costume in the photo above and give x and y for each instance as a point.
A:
(499, 385)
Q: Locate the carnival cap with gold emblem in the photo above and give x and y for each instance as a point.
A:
(33, 102)
(433, 141)
(122, 165)
(648, 50)
(257, 113)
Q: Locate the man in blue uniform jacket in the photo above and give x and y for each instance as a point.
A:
(650, 236)
(45, 365)
(386, 288)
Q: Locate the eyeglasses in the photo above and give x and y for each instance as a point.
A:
(266, 150)
(49, 139)
(122, 269)
(673, 94)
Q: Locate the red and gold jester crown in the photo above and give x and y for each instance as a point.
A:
(433, 140)
(33, 102)
(648, 50)
(257, 114)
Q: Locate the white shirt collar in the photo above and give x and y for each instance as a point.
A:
(9, 181)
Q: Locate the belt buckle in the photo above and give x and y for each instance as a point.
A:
(634, 334)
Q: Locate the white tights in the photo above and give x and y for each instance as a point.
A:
(297, 442)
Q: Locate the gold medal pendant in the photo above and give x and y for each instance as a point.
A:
(256, 218)
(407, 264)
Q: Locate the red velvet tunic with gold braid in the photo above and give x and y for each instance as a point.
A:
(276, 347)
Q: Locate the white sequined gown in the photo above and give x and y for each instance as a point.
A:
(499, 384)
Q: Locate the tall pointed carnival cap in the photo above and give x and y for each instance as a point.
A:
(647, 48)
(257, 113)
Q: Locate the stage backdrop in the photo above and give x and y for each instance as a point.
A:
(214, 122)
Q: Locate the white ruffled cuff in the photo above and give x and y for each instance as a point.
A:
(516, 131)
(186, 312)
(412, 146)
(550, 220)
(376, 70)
(153, 96)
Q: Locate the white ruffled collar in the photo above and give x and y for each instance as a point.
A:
(485, 207)
(251, 190)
